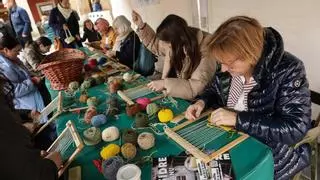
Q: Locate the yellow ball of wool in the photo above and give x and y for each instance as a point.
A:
(128, 151)
(109, 151)
(110, 134)
(146, 140)
(165, 115)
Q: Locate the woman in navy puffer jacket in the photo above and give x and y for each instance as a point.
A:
(261, 90)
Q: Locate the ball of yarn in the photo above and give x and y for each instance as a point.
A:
(130, 136)
(102, 61)
(143, 102)
(83, 98)
(165, 115)
(93, 101)
(109, 151)
(131, 110)
(146, 140)
(92, 63)
(85, 85)
(128, 151)
(152, 109)
(87, 68)
(141, 120)
(111, 166)
(91, 80)
(73, 86)
(127, 77)
(98, 120)
(114, 86)
(90, 112)
(110, 134)
(91, 136)
(98, 80)
(129, 172)
(113, 107)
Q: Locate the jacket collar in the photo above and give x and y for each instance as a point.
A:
(271, 56)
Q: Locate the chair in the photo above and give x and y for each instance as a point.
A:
(312, 138)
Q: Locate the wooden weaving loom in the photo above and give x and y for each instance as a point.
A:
(56, 104)
(133, 93)
(68, 144)
(194, 135)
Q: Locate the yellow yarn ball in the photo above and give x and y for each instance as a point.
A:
(165, 115)
(109, 151)
(128, 150)
(146, 140)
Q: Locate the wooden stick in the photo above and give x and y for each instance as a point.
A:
(125, 97)
(53, 118)
(157, 97)
(77, 109)
(179, 118)
(206, 113)
(187, 146)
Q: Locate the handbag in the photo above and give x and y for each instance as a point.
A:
(144, 64)
(69, 38)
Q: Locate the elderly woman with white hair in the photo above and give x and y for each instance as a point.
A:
(127, 45)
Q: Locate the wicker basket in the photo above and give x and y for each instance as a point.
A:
(63, 67)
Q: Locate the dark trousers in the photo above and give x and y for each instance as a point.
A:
(24, 40)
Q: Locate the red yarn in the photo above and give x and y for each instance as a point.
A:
(91, 111)
(133, 109)
(98, 164)
(92, 63)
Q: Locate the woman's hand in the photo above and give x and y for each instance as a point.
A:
(30, 126)
(223, 117)
(36, 80)
(56, 158)
(78, 37)
(35, 115)
(137, 20)
(194, 110)
(65, 27)
(156, 85)
(111, 54)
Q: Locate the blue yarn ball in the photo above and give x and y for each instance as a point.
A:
(102, 61)
(98, 120)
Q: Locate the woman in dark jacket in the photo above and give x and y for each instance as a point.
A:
(63, 20)
(89, 32)
(19, 160)
(261, 90)
(127, 45)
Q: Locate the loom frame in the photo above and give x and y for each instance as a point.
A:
(123, 94)
(77, 140)
(196, 152)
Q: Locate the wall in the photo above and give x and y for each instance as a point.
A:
(297, 21)
(155, 13)
(34, 10)
(25, 5)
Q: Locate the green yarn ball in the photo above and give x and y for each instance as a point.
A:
(152, 109)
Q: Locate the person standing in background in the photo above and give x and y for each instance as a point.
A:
(20, 21)
(107, 33)
(63, 20)
(96, 6)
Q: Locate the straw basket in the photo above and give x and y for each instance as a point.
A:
(63, 67)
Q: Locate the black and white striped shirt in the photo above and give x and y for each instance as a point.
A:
(238, 94)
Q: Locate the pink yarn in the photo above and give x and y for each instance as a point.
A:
(143, 102)
(91, 111)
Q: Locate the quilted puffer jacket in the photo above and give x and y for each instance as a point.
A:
(279, 106)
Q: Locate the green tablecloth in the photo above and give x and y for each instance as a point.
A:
(251, 160)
